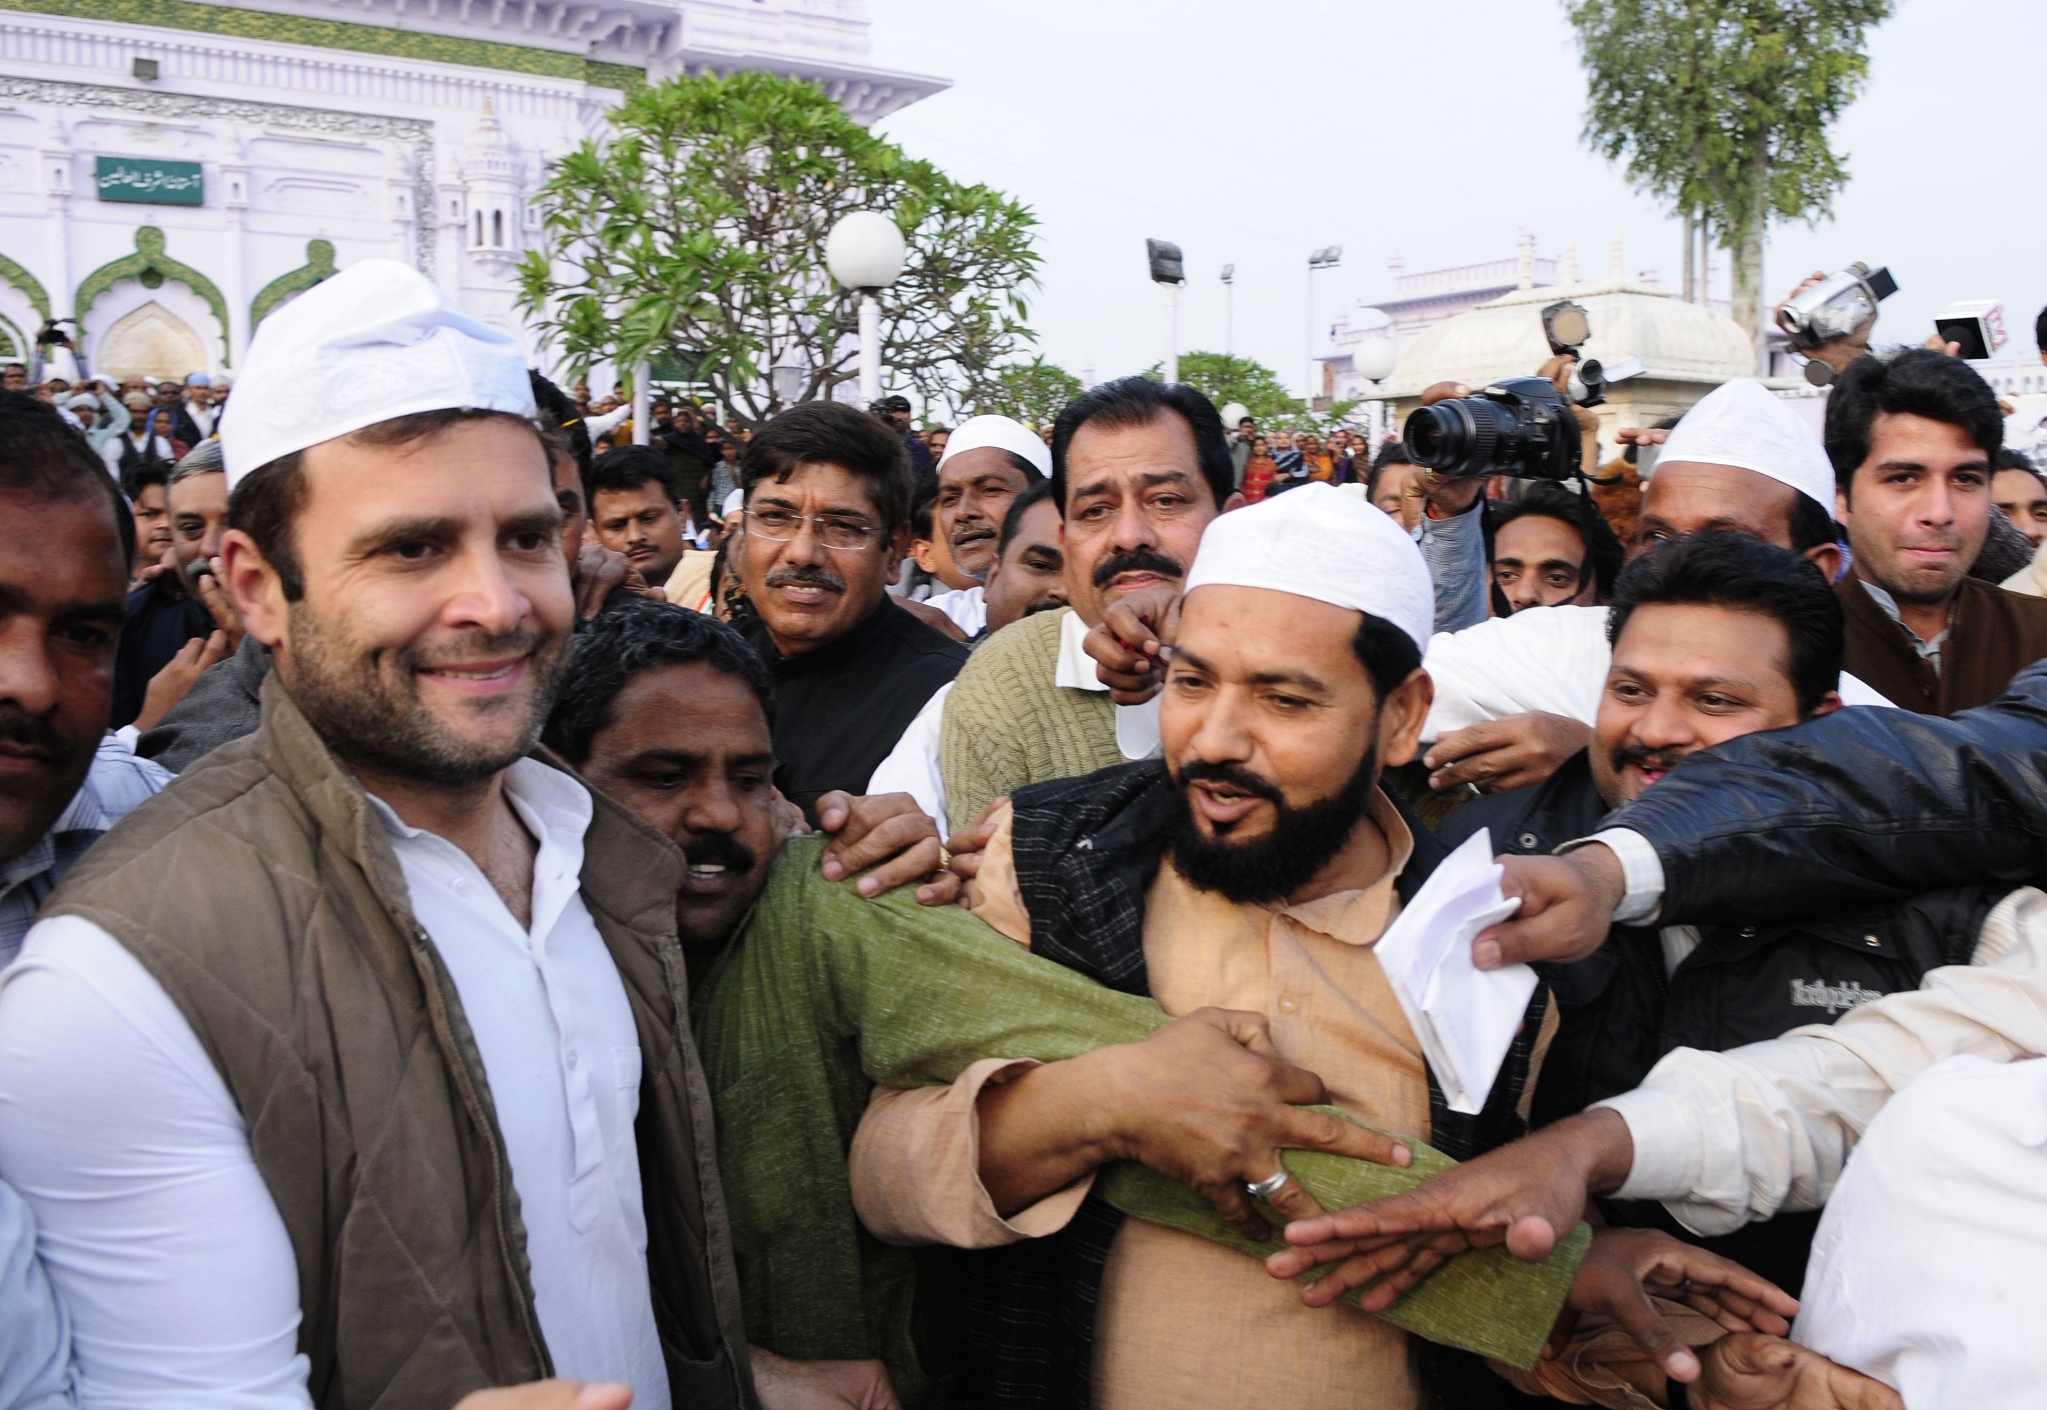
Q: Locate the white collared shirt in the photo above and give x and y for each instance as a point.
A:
(967, 607)
(157, 1228)
(551, 1021)
(1137, 726)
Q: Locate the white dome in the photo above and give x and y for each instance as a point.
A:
(1681, 342)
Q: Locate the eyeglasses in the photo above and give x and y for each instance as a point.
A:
(779, 526)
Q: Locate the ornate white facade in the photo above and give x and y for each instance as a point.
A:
(319, 132)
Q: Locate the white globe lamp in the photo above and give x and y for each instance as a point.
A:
(865, 251)
(1373, 359)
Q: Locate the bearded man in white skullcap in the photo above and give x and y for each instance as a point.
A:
(356, 1068)
(1516, 696)
(1251, 869)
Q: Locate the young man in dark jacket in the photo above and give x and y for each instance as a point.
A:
(1715, 636)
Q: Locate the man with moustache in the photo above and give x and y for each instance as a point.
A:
(987, 463)
(1139, 469)
(304, 1079)
(827, 522)
(1715, 636)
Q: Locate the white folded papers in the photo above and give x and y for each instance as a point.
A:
(1465, 1017)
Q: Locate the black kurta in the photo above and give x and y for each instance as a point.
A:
(840, 709)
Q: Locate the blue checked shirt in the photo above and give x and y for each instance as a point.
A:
(115, 784)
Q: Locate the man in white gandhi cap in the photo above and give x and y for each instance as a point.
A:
(988, 462)
(356, 1068)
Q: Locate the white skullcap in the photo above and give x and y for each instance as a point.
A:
(734, 502)
(375, 342)
(1741, 424)
(980, 432)
(1319, 542)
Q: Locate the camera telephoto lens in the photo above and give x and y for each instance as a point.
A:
(1520, 427)
(1458, 437)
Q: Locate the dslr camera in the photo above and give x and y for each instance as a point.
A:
(1521, 427)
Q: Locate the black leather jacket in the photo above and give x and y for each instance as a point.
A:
(1757, 977)
(1864, 805)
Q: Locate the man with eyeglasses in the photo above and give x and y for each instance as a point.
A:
(827, 523)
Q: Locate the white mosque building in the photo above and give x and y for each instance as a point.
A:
(173, 170)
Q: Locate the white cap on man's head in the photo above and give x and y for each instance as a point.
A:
(375, 342)
(1320, 543)
(1001, 433)
(1740, 423)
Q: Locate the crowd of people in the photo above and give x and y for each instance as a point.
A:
(507, 909)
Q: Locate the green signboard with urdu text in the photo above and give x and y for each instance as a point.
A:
(152, 182)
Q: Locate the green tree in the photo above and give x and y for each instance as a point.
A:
(1032, 392)
(1724, 108)
(1224, 378)
(697, 229)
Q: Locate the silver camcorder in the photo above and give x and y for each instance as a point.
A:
(1836, 306)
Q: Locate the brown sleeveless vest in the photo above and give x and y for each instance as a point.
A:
(260, 891)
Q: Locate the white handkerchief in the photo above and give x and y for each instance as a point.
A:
(1464, 1017)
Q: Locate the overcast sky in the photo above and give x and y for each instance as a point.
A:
(1251, 134)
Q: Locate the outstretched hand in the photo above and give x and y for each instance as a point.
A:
(1527, 1195)
(1567, 905)
(1748, 1371)
(1625, 1268)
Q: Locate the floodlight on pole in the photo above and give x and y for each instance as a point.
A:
(1229, 309)
(1328, 257)
(865, 251)
(1170, 269)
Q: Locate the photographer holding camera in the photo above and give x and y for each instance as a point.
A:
(1454, 426)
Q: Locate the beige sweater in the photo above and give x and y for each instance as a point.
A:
(1007, 724)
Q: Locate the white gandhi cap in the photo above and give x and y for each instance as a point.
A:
(1320, 543)
(375, 342)
(1001, 433)
(1740, 423)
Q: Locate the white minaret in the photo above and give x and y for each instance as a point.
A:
(490, 180)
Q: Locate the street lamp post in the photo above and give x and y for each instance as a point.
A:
(1229, 309)
(643, 434)
(1328, 257)
(865, 251)
(1373, 359)
(1169, 269)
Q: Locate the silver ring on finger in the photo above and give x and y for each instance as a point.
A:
(1269, 1186)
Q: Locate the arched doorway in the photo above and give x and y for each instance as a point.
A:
(188, 305)
(149, 341)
